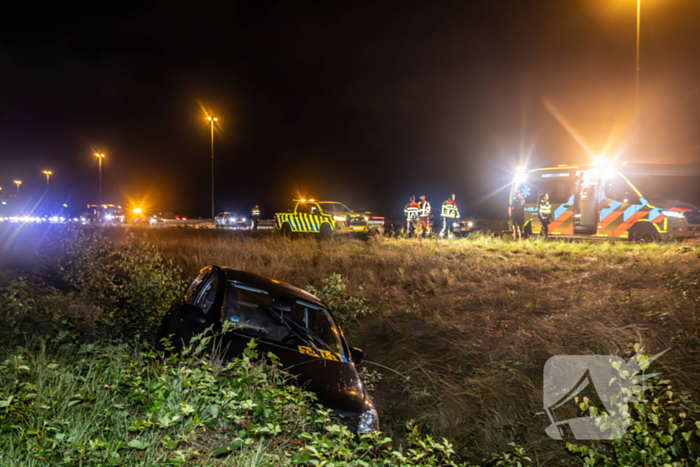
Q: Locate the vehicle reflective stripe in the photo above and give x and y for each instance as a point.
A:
(612, 206)
(316, 224)
(303, 223)
(653, 214)
(295, 224)
(561, 209)
(631, 211)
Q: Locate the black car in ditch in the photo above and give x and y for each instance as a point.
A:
(283, 319)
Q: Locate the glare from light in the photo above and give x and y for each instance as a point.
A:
(137, 210)
(676, 214)
(600, 161)
(520, 177)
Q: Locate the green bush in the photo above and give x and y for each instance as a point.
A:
(660, 428)
(84, 404)
(345, 307)
(131, 282)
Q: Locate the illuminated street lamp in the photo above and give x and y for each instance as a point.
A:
(636, 95)
(99, 159)
(48, 174)
(18, 183)
(211, 121)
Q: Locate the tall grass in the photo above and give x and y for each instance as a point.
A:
(465, 326)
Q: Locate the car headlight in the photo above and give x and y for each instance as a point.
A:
(243, 219)
(676, 214)
(108, 217)
(369, 422)
(339, 218)
(455, 224)
(366, 219)
(470, 224)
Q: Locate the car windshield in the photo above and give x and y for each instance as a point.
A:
(334, 207)
(252, 311)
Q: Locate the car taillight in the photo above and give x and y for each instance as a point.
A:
(274, 218)
(382, 221)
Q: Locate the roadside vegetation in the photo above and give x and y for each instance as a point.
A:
(455, 334)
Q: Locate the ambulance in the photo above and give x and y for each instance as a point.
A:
(598, 200)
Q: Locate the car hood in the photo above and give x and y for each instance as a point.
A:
(670, 204)
(337, 384)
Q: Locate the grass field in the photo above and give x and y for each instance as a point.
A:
(458, 331)
(465, 326)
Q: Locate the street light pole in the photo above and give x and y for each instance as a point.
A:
(211, 121)
(99, 161)
(48, 174)
(639, 11)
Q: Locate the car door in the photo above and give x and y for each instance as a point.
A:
(302, 218)
(204, 294)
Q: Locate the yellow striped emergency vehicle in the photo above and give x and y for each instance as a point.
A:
(325, 218)
(598, 200)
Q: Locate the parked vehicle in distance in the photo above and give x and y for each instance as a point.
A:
(325, 218)
(283, 319)
(462, 227)
(108, 214)
(231, 220)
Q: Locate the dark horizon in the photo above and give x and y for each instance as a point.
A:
(360, 104)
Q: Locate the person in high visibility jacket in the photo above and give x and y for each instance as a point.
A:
(544, 212)
(449, 213)
(424, 215)
(255, 215)
(412, 213)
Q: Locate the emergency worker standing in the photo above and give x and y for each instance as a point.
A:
(425, 215)
(255, 215)
(449, 213)
(412, 213)
(544, 212)
(518, 215)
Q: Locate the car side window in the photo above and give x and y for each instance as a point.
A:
(302, 208)
(206, 296)
(618, 189)
(314, 210)
(195, 285)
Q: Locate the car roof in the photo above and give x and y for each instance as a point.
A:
(276, 288)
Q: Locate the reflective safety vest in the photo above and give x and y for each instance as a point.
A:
(424, 209)
(255, 213)
(412, 211)
(449, 210)
(545, 209)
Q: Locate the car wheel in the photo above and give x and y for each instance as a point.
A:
(286, 230)
(643, 233)
(326, 231)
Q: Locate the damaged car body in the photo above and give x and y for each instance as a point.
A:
(283, 319)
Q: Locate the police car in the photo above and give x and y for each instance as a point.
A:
(325, 218)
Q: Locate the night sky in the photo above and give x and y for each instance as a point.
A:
(360, 102)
